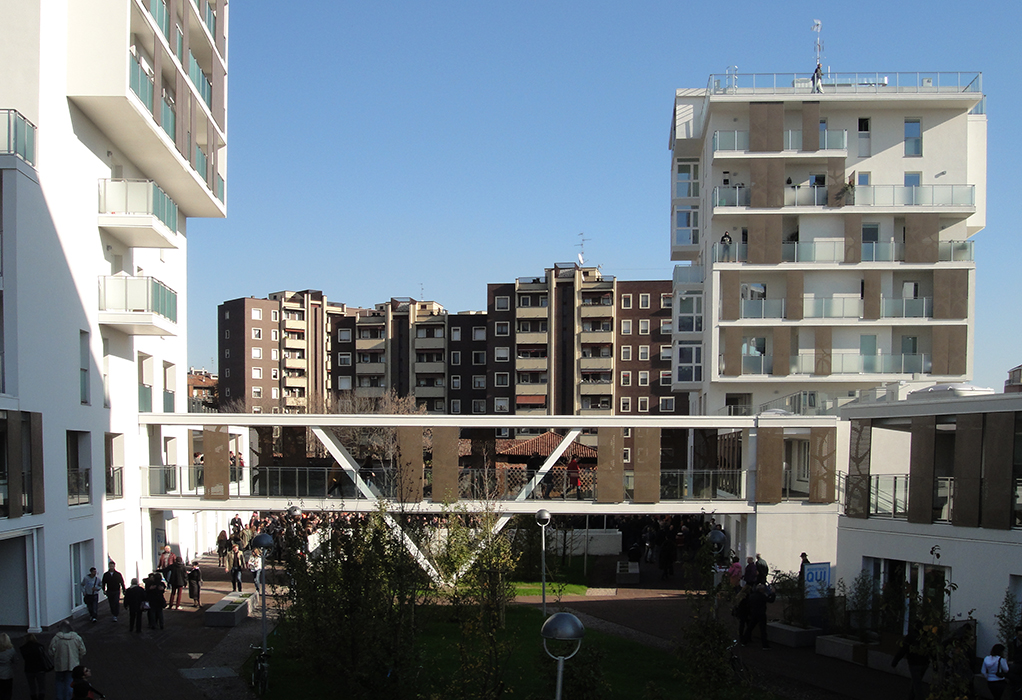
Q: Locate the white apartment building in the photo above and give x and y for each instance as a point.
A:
(849, 211)
(112, 134)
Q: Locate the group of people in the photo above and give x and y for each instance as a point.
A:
(572, 476)
(63, 656)
(754, 593)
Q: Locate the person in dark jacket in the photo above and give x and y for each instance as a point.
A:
(134, 599)
(113, 586)
(37, 664)
(178, 579)
(154, 595)
(81, 686)
(195, 584)
(758, 598)
(911, 650)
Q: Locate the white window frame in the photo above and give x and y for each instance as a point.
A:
(275, 354)
(502, 303)
(626, 353)
(455, 381)
(666, 301)
(257, 353)
(643, 404)
(478, 332)
(626, 378)
(502, 354)
(257, 373)
(455, 405)
(456, 333)
(626, 404)
(478, 381)
(455, 357)
(344, 359)
(478, 357)
(643, 353)
(275, 316)
(502, 379)
(257, 334)
(501, 404)
(643, 326)
(274, 373)
(274, 335)
(644, 300)
(274, 392)
(667, 404)
(665, 353)
(666, 326)
(343, 335)
(502, 328)
(665, 377)
(257, 314)
(643, 377)
(626, 301)
(626, 455)
(478, 405)
(257, 392)
(626, 326)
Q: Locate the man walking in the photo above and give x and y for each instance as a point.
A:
(91, 586)
(134, 600)
(235, 565)
(113, 584)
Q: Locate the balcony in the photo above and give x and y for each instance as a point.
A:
(137, 305)
(429, 343)
(371, 368)
(294, 342)
(138, 213)
(832, 307)
(702, 484)
(17, 136)
(145, 398)
(596, 363)
(762, 308)
(731, 196)
(532, 312)
(688, 275)
(429, 368)
(370, 343)
(115, 482)
(738, 141)
(960, 196)
(429, 392)
(955, 251)
(595, 310)
(805, 196)
(856, 363)
(295, 363)
(532, 338)
(888, 251)
(889, 497)
(294, 324)
(591, 388)
(168, 401)
(531, 363)
(897, 307)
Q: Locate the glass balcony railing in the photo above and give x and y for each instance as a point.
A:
(118, 196)
(201, 162)
(887, 251)
(702, 484)
(856, 363)
(158, 9)
(17, 135)
(792, 140)
(200, 81)
(805, 196)
(896, 307)
(115, 482)
(733, 252)
(955, 251)
(221, 189)
(757, 364)
(141, 82)
(888, 496)
(833, 140)
(730, 140)
(79, 487)
(145, 398)
(168, 401)
(918, 196)
(144, 294)
(168, 118)
(762, 308)
(730, 196)
(943, 499)
(813, 251)
(832, 307)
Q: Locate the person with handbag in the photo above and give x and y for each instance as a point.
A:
(995, 669)
(135, 602)
(37, 665)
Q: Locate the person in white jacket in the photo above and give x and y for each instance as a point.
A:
(66, 650)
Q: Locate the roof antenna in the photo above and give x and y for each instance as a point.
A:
(582, 248)
(422, 292)
(818, 44)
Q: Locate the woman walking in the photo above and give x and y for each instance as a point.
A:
(37, 664)
(195, 584)
(7, 658)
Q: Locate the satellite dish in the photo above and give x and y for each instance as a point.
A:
(580, 261)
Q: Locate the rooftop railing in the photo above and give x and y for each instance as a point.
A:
(840, 83)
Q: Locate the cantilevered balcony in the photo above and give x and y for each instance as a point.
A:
(953, 196)
(137, 305)
(138, 213)
(727, 143)
(17, 136)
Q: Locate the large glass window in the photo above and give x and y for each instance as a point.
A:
(913, 137)
(686, 179)
(686, 225)
(690, 361)
(690, 313)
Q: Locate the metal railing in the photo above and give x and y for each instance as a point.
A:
(913, 196)
(115, 482)
(897, 307)
(702, 484)
(79, 487)
(118, 196)
(146, 294)
(794, 487)
(888, 496)
(836, 83)
(805, 196)
(17, 135)
(762, 308)
(832, 307)
(955, 251)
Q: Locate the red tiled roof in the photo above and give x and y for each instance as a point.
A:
(544, 444)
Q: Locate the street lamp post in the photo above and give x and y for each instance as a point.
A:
(265, 543)
(543, 519)
(563, 627)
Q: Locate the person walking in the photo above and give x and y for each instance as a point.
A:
(66, 650)
(113, 586)
(154, 590)
(8, 656)
(995, 671)
(911, 649)
(91, 586)
(164, 562)
(37, 665)
(81, 684)
(235, 565)
(223, 546)
(195, 584)
(134, 601)
(177, 579)
(255, 565)
(758, 598)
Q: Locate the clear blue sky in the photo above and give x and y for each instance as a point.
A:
(381, 149)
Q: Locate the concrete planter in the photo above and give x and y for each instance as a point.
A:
(230, 610)
(838, 647)
(791, 635)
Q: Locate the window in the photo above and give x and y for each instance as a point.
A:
(644, 301)
(420, 332)
(257, 334)
(227, 315)
(643, 353)
(478, 381)
(479, 333)
(455, 405)
(626, 455)
(686, 179)
(665, 353)
(666, 301)
(227, 353)
(275, 392)
(257, 314)
(455, 357)
(501, 404)
(227, 335)
(455, 381)
(626, 326)
(626, 404)
(501, 379)
(626, 301)
(690, 361)
(502, 328)
(257, 353)
(257, 373)
(456, 333)
(438, 405)
(79, 463)
(524, 300)
(343, 359)
(690, 313)
(913, 138)
(274, 373)
(227, 391)
(502, 303)
(274, 335)
(643, 326)
(344, 335)
(478, 405)
(643, 404)
(626, 378)
(84, 361)
(479, 357)
(665, 377)
(686, 224)
(864, 138)
(667, 404)
(626, 353)
(913, 180)
(274, 354)
(666, 327)
(644, 378)
(543, 301)
(227, 371)
(501, 354)
(257, 392)
(275, 316)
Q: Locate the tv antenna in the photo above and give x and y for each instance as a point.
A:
(582, 247)
(818, 44)
(422, 291)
